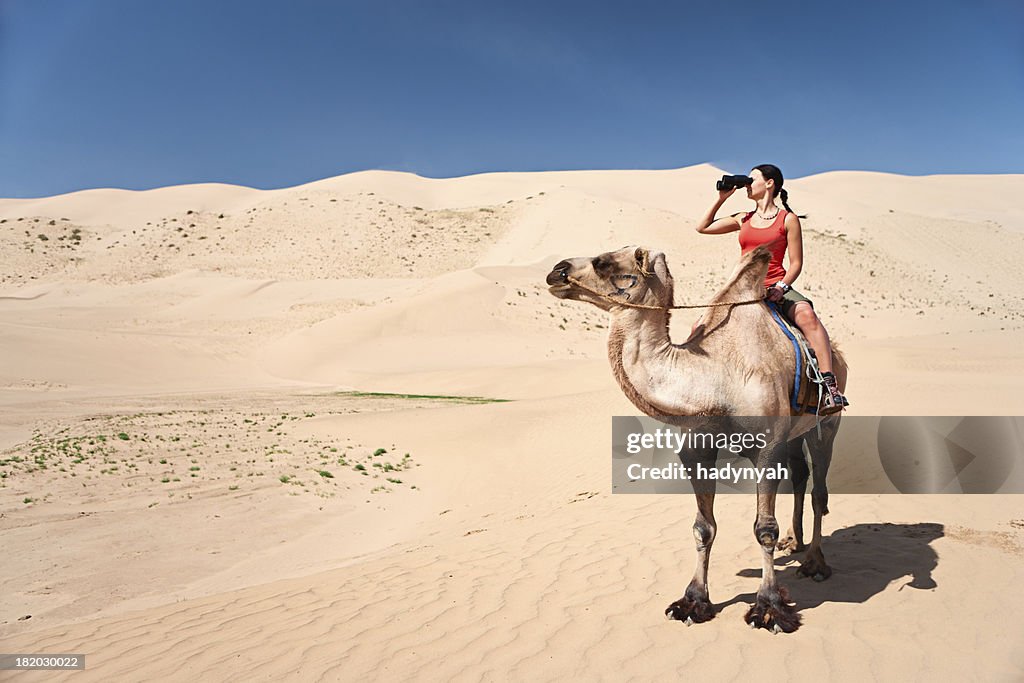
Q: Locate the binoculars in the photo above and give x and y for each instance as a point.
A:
(732, 182)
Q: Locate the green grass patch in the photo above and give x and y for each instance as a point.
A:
(422, 397)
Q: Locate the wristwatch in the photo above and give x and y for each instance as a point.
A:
(783, 286)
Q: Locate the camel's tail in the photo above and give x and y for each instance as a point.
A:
(839, 367)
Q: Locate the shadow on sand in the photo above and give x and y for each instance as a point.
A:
(865, 559)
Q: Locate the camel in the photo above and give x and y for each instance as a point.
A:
(736, 362)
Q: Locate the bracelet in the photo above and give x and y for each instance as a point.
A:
(783, 286)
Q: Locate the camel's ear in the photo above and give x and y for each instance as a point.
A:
(660, 267)
(642, 261)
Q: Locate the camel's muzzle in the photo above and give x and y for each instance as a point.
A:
(559, 274)
(558, 280)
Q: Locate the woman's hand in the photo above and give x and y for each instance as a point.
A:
(725, 194)
(774, 294)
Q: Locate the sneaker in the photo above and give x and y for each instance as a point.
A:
(831, 400)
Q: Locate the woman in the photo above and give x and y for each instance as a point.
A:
(779, 230)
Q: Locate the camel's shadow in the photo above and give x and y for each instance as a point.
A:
(865, 558)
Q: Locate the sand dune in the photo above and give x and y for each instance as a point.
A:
(197, 479)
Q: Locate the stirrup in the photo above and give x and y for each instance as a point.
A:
(831, 401)
(828, 406)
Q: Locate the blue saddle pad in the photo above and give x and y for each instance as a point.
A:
(798, 377)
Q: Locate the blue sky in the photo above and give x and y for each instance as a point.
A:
(123, 93)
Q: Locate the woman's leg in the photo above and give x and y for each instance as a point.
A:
(803, 316)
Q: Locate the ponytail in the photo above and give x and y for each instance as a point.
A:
(784, 196)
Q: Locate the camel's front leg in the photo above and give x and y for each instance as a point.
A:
(695, 605)
(773, 609)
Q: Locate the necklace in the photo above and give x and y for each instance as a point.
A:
(768, 218)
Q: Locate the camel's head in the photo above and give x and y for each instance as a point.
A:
(630, 275)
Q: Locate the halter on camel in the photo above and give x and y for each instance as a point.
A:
(799, 343)
(633, 280)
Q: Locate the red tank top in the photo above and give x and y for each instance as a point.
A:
(774, 237)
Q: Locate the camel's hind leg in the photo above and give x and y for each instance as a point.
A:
(793, 541)
(814, 564)
(695, 605)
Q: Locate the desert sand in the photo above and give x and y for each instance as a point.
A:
(341, 431)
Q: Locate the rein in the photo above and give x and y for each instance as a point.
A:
(618, 302)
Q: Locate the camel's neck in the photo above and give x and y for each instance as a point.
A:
(658, 377)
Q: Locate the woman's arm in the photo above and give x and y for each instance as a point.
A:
(795, 245)
(709, 225)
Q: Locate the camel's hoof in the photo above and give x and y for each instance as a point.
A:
(773, 612)
(814, 566)
(789, 543)
(819, 571)
(691, 610)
